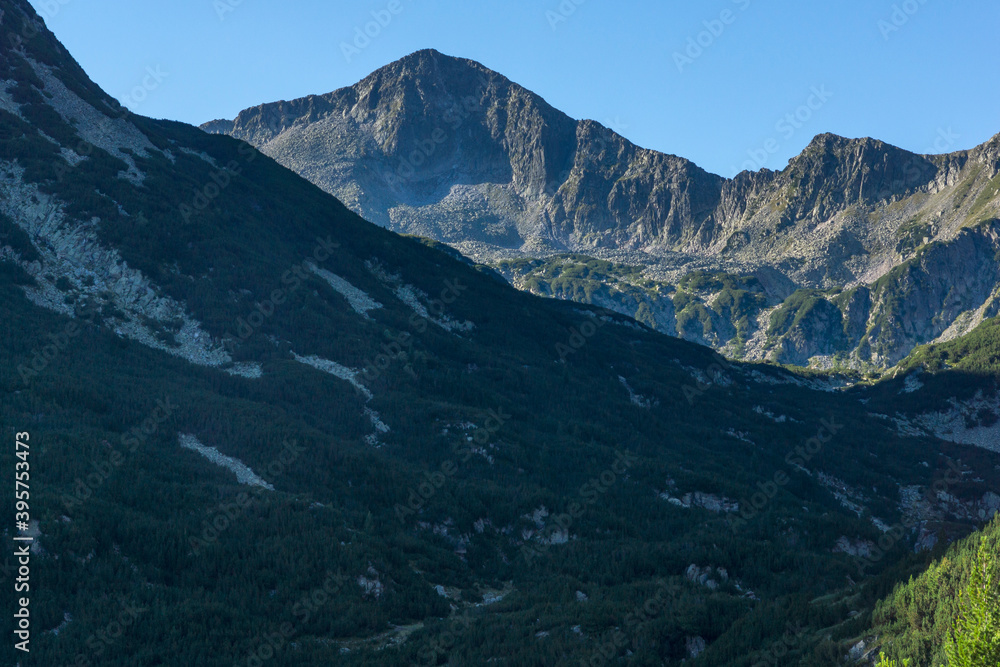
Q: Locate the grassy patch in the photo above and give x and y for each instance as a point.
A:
(794, 309)
(978, 351)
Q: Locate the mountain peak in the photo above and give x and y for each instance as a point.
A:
(851, 151)
(436, 78)
(426, 61)
(424, 55)
(827, 141)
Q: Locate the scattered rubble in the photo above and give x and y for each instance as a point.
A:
(358, 299)
(695, 646)
(855, 547)
(244, 475)
(707, 576)
(414, 298)
(335, 369)
(371, 584)
(637, 399)
(75, 267)
(770, 415)
(708, 501)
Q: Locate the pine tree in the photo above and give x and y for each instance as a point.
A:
(886, 662)
(975, 637)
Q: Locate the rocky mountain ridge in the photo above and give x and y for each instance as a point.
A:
(444, 147)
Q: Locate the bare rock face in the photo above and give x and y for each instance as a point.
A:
(431, 138)
(921, 299)
(446, 148)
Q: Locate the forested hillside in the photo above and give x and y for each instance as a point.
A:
(954, 605)
(265, 430)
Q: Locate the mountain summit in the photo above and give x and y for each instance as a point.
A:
(447, 148)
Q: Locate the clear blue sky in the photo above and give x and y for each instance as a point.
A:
(925, 78)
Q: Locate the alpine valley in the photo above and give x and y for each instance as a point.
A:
(267, 430)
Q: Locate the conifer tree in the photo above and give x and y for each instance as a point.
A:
(886, 662)
(975, 637)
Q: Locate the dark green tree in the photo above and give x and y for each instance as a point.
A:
(975, 638)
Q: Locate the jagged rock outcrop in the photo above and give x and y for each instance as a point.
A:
(920, 300)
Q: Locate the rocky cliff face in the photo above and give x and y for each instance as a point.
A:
(443, 147)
